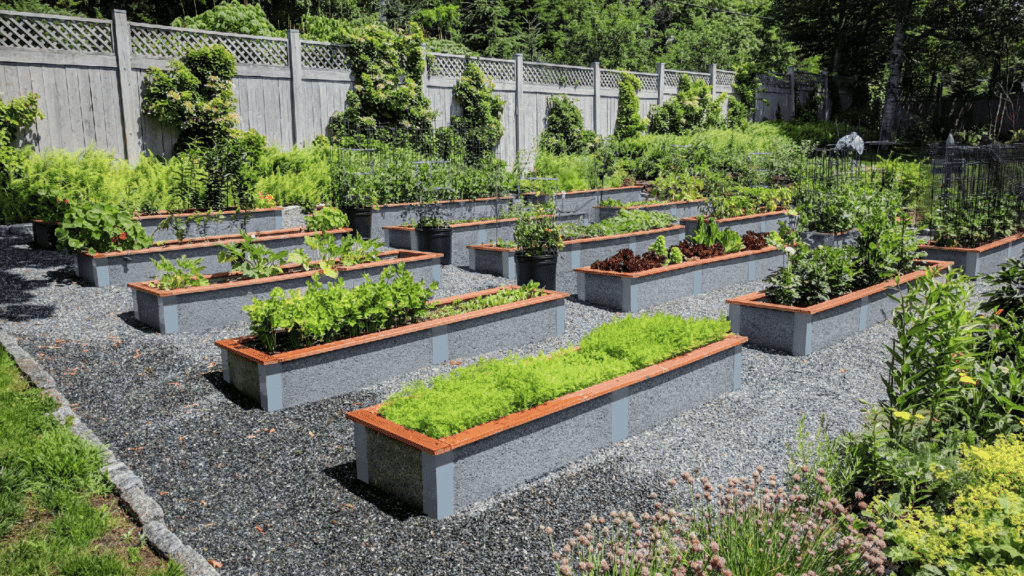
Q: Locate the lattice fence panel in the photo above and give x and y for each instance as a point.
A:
(324, 56)
(503, 70)
(17, 31)
(609, 79)
(724, 77)
(449, 66)
(805, 80)
(647, 81)
(699, 77)
(770, 81)
(172, 43)
(558, 75)
(672, 79)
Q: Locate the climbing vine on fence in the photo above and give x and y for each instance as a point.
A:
(628, 122)
(195, 95)
(480, 123)
(387, 66)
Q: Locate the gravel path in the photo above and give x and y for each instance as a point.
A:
(276, 493)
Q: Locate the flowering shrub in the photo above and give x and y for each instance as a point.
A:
(692, 107)
(387, 67)
(983, 533)
(195, 95)
(744, 528)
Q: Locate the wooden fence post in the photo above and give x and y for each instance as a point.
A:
(520, 117)
(295, 65)
(661, 83)
(597, 95)
(713, 71)
(127, 91)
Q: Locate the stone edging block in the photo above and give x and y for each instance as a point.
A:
(129, 486)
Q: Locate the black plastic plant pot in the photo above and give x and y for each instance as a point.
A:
(540, 268)
(359, 219)
(437, 240)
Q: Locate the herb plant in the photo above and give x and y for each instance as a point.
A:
(181, 273)
(320, 315)
(505, 296)
(252, 259)
(326, 219)
(491, 389)
(96, 228)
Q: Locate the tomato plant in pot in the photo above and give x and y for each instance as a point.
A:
(538, 239)
(351, 170)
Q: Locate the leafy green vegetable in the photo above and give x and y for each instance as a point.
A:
(181, 273)
(97, 227)
(252, 259)
(708, 234)
(506, 296)
(491, 389)
(326, 219)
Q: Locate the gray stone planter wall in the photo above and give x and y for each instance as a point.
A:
(219, 306)
(480, 469)
(983, 260)
(754, 223)
(399, 214)
(583, 203)
(122, 268)
(677, 209)
(463, 235)
(330, 370)
(802, 331)
(815, 239)
(225, 223)
(576, 253)
(639, 291)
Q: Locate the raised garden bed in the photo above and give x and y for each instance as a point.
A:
(984, 259)
(583, 203)
(765, 222)
(218, 305)
(122, 268)
(440, 476)
(635, 291)
(681, 209)
(315, 373)
(501, 261)
(463, 235)
(399, 214)
(196, 225)
(800, 331)
(837, 239)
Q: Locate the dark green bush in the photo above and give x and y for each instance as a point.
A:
(564, 133)
(627, 120)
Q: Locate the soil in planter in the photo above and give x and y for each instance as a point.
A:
(626, 261)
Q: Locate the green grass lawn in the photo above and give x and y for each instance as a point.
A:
(58, 513)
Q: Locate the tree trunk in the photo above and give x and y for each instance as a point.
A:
(896, 56)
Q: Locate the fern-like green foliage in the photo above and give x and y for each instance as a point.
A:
(491, 389)
(233, 17)
(628, 122)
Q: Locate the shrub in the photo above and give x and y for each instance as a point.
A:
(627, 120)
(194, 94)
(692, 107)
(232, 17)
(491, 389)
(480, 123)
(564, 133)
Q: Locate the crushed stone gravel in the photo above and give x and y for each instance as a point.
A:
(277, 494)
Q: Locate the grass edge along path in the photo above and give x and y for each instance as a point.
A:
(58, 511)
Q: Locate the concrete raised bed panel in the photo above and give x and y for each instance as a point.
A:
(123, 268)
(577, 253)
(682, 209)
(767, 222)
(217, 306)
(463, 235)
(984, 259)
(583, 203)
(803, 331)
(399, 214)
(632, 292)
(815, 239)
(220, 223)
(441, 476)
(311, 374)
